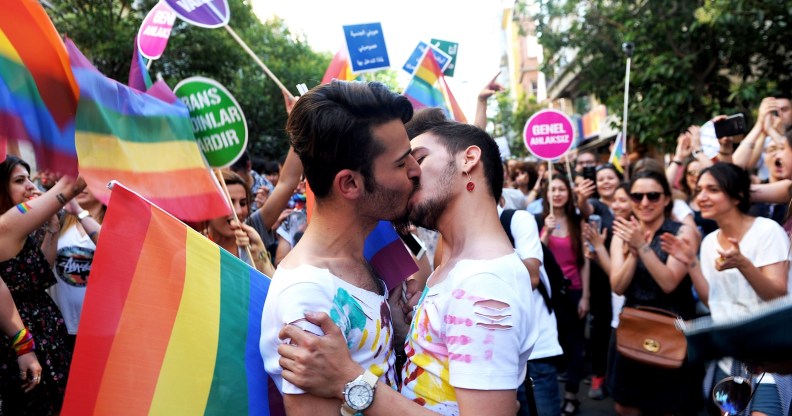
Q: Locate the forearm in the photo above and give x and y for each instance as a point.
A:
(544, 236)
(390, 402)
(603, 258)
(287, 183)
(480, 120)
(742, 155)
(762, 282)
(622, 268)
(585, 279)
(21, 220)
(663, 275)
(672, 171)
(773, 193)
(10, 321)
(91, 227)
(49, 246)
(699, 282)
(585, 207)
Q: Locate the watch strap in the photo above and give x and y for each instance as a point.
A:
(347, 411)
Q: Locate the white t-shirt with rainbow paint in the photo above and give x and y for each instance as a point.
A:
(459, 340)
(363, 317)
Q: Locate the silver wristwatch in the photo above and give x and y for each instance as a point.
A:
(359, 394)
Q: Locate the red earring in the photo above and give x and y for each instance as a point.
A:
(470, 185)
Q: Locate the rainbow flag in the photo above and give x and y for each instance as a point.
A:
(617, 153)
(170, 325)
(139, 78)
(339, 68)
(38, 94)
(144, 140)
(428, 88)
(388, 256)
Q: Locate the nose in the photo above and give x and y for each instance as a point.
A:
(413, 168)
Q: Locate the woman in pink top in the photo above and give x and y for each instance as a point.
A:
(562, 234)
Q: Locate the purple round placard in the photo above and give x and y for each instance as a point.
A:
(204, 13)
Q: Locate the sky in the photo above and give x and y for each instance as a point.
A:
(474, 24)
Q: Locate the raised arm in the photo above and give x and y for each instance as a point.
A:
(21, 220)
(279, 198)
(489, 90)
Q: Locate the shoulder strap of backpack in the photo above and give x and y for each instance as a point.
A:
(505, 219)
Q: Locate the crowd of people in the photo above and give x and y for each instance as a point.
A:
(531, 266)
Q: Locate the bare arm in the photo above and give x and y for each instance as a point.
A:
(279, 197)
(15, 225)
(623, 266)
(681, 249)
(773, 193)
(308, 405)
(489, 90)
(533, 269)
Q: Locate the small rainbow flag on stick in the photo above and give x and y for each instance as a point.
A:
(617, 153)
(171, 322)
(428, 88)
(339, 68)
(144, 140)
(38, 94)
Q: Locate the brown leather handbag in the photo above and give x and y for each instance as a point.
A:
(650, 336)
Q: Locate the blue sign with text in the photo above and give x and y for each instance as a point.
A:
(442, 58)
(366, 45)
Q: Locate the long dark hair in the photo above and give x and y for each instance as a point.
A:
(6, 170)
(573, 218)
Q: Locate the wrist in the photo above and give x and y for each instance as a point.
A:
(677, 160)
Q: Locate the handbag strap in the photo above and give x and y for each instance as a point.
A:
(657, 310)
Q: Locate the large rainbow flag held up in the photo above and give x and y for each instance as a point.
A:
(428, 88)
(144, 140)
(38, 94)
(170, 325)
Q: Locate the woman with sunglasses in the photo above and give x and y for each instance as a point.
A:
(648, 276)
(743, 265)
(607, 179)
(562, 234)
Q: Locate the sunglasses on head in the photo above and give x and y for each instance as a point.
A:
(733, 394)
(637, 197)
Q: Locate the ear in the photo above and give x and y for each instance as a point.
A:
(348, 184)
(471, 156)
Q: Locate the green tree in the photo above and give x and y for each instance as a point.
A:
(105, 32)
(693, 58)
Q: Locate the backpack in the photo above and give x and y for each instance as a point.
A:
(558, 283)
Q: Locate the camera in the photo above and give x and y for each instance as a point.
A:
(733, 125)
(628, 48)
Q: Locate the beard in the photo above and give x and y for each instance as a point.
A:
(388, 204)
(427, 213)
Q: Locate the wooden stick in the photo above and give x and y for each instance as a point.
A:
(233, 211)
(258, 61)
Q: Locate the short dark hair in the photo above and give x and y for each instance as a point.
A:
(331, 126)
(423, 120)
(6, 169)
(660, 178)
(241, 164)
(269, 167)
(734, 181)
(456, 137)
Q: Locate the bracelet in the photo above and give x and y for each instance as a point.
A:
(61, 198)
(23, 342)
(677, 162)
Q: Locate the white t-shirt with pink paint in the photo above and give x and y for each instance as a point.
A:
(459, 340)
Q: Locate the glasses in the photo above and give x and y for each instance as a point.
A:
(637, 197)
(733, 394)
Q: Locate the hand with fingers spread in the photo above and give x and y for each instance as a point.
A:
(684, 147)
(678, 247)
(29, 371)
(695, 137)
(595, 238)
(730, 258)
(320, 365)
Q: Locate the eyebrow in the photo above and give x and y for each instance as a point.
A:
(404, 155)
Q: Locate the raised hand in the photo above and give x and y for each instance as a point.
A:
(678, 247)
(491, 88)
(585, 189)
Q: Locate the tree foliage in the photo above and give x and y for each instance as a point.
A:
(693, 58)
(105, 31)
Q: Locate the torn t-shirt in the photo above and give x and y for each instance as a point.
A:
(472, 330)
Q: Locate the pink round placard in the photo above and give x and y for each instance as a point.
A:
(549, 134)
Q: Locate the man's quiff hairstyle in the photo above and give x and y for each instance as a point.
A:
(331, 127)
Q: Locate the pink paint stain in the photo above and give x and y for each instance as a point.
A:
(488, 355)
(458, 293)
(457, 320)
(489, 338)
(461, 339)
(460, 357)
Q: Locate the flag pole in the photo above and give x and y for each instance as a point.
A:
(628, 48)
(220, 178)
(258, 61)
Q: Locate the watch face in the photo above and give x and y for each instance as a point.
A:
(359, 396)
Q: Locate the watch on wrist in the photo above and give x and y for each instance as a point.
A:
(359, 393)
(83, 215)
